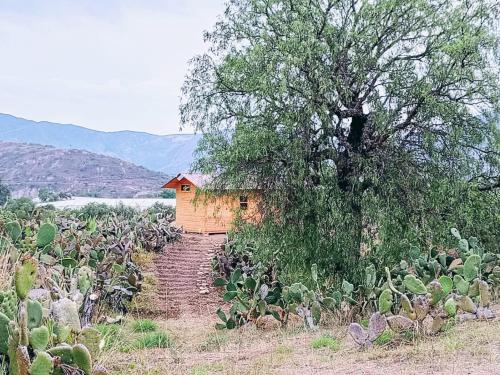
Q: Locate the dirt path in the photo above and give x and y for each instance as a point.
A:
(184, 281)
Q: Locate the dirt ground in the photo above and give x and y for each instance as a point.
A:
(470, 348)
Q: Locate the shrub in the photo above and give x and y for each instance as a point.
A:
(154, 340)
(4, 194)
(167, 194)
(21, 207)
(144, 325)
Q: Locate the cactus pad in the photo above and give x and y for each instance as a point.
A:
(13, 229)
(466, 304)
(92, 339)
(85, 277)
(46, 234)
(436, 291)
(4, 333)
(65, 352)
(385, 301)
(82, 358)
(65, 313)
(8, 303)
(461, 285)
(471, 267)
(450, 307)
(358, 334)
(446, 284)
(39, 338)
(484, 293)
(376, 326)
(399, 323)
(25, 276)
(42, 365)
(35, 314)
(414, 285)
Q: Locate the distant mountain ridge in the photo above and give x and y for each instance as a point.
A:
(26, 168)
(169, 154)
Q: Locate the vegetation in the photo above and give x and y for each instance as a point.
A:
(335, 110)
(87, 272)
(47, 195)
(167, 194)
(4, 194)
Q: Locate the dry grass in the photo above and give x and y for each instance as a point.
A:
(473, 347)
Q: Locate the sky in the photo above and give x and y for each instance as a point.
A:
(104, 64)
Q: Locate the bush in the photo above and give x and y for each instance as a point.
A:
(21, 207)
(47, 195)
(144, 325)
(154, 340)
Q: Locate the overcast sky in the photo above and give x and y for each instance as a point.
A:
(103, 64)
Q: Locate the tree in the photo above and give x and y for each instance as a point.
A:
(343, 110)
(4, 194)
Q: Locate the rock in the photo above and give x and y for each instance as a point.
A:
(65, 313)
(204, 291)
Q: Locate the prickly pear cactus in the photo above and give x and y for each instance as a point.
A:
(24, 277)
(446, 284)
(35, 314)
(399, 323)
(471, 267)
(92, 339)
(414, 285)
(65, 313)
(46, 234)
(82, 358)
(484, 293)
(42, 365)
(39, 338)
(64, 352)
(85, 279)
(450, 307)
(436, 291)
(13, 229)
(461, 285)
(385, 301)
(8, 303)
(4, 333)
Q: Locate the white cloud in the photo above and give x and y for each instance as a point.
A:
(110, 67)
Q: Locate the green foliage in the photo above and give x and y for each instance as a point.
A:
(144, 325)
(4, 194)
(301, 106)
(326, 341)
(46, 234)
(153, 340)
(167, 194)
(23, 208)
(47, 195)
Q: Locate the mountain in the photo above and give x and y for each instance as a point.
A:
(169, 154)
(26, 168)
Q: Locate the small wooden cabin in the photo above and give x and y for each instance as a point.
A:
(197, 212)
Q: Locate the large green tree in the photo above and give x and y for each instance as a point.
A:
(341, 111)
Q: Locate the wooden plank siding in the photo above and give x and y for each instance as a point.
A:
(200, 213)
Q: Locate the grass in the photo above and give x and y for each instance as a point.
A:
(153, 340)
(326, 341)
(215, 341)
(144, 325)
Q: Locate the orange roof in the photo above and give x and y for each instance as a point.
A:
(197, 179)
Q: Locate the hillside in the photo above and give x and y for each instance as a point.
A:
(169, 154)
(26, 168)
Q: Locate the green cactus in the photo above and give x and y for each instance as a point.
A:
(296, 292)
(35, 314)
(370, 277)
(465, 304)
(85, 279)
(316, 312)
(4, 333)
(62, 332)
(46, 234)
(82, 358)
(92, 339)
(450, 307)
(446, 284)
(461, 285)
(65, 352)
(385, 301)
(13, 229)
(463, 246)
(474, 289)
(484, 294)
(436, 291)
(23, 324)
(421, 306)
(25, 276)
(414, 285)
(39, 338)
(407, 307)
(13, 343)
(8, 303)
(471, 267)
(42, 365)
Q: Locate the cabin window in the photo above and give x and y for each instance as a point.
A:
(185, 187)
(243, 202)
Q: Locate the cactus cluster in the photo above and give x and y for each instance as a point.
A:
(25, 335)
